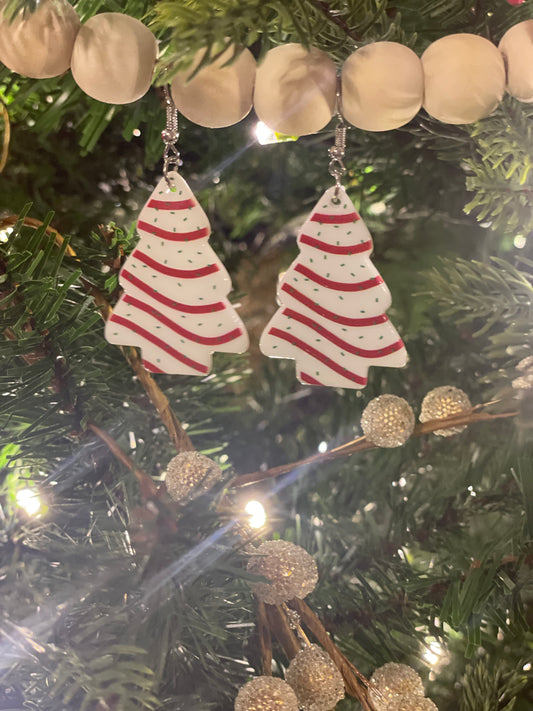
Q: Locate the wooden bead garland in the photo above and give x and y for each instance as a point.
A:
(295, 89)
(464, 78)
(220, 94)
(39, 44)
(516, 47)
(113, 58)
(382, 86)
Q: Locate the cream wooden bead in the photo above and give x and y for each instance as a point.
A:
(516, 47)
(39, 44)
(464, 78)
(218, 95)
(295, 90)
(382, 86)
(113, 58)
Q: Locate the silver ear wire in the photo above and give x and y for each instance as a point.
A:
(171, 156)
(337, 152)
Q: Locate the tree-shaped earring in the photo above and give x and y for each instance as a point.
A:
(174, 305)
(332, 299)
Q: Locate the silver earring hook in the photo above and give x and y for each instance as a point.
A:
(171, 156)
(337, 152)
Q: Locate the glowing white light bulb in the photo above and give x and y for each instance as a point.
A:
(433, 653)
(519, 241)
(4, 234)
(378, 208)
(323, 447)
(28, 500)
(264, 134)
(256, 511)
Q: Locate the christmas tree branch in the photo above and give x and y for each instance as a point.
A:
(158, 399)
(337, 19)
(361, 443)
(146, 483)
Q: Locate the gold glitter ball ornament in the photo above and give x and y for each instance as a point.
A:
(290, 568)
(525, 381)
(525, 364)
(443, 402)
(190, 474)
(266, 693)
(388, 421)
(397, 680)
(315, 679)
(411, 702)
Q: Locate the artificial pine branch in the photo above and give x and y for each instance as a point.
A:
(177, 434)
(489, 685)
(502, 166)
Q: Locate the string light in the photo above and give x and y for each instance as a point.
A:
(257, 513)
(434, 653)
(4, 234)
(264, 134)
(28, 500)
(323, 447)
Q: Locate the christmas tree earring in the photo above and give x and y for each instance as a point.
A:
(332, 299)
(174, 305)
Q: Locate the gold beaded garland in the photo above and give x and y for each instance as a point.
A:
(190, 474)
(443, 402)
(388, 421)
(290, 568)
(411, 702)
(397, 679)
(266, 693)
(315, 679)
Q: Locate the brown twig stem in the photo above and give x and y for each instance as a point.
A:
(7, 136)
(159, 400)
(11, 221)
(146, 483)
(355, 683)
(280, 627)
(468, 417)
(265, 639)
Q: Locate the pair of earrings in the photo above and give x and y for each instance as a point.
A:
(332, 299)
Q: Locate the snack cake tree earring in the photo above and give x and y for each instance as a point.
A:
(174, 305)
(332, 318)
